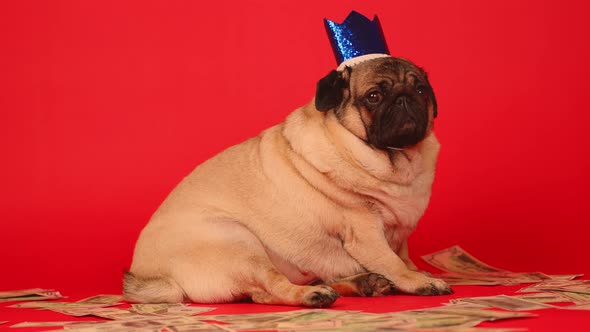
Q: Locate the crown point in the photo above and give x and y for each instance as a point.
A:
(355, 36)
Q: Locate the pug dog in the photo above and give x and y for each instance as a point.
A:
(313, 208)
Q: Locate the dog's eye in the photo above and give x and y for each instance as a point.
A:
(374, 97)
(420, 89)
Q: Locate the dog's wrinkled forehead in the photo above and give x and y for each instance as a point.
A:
(388, 71)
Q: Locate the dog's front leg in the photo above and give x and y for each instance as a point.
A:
(367, 244)
(405, 256)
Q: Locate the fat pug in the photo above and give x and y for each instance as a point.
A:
(315, 207)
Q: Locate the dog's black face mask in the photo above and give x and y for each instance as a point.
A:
(392, 97)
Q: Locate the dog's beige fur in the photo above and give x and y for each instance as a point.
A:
(305, 200)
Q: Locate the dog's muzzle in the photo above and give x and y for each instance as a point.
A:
(400, 123)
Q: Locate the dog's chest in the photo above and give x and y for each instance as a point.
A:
(399, 209)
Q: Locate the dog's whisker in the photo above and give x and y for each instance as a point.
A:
(396, 149)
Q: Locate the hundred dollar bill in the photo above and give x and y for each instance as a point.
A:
(247, 318)
(578, 298)
(457, 304)
(395, 322)
(428, 320)
(506, 302)
(33, 294)
(574, 286)
(475, 329)
(185, 310)
(543, 297)
(464, 269)
(52, 324)
(488, 315)
(308, 315)
(108, 313)
(463, 280)
(145, 324)
(585, 306)
(103, 299)
(169, 309)
(565, 276)
(55, 305)
(306, 318)
(199, 327)
(457, 260)
(153, 308)
(23, 292)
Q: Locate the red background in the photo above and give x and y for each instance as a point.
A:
(106, 105)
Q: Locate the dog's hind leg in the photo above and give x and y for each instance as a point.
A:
(214, 261)
(272, 287)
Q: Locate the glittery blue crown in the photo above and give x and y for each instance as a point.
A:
(356, 36)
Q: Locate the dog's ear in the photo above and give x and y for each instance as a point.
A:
(434, 105)
(431, 96)
(330, 90)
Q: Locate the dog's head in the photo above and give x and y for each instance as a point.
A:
(387, 102)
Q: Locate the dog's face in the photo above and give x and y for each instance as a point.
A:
(387, 102)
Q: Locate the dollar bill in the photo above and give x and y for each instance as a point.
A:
(33, 294)
(570, 285)
(543, 297)
(103, 299)
(185, 310)
(300, 319)
(578, 298)
(144, 324)
(474, 329)
(462, 268)
(426, 320)
(168, 309)
(396, 321)
(320, 320)
(464, 280)
(55, 305)
(488, 315)
(259, 318)
(456, 260)
(23, 292)
(457, 304)
(199, 328)
(108, 313)
(506, 302)
(585, 306)
(565, 276)
(491, 279)
(154, 308)
(52, 324)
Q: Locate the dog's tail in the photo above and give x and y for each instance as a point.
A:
(151, 290)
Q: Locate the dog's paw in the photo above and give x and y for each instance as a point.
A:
(419, 284)
(373, 284)
(319, 297)
(436, 287)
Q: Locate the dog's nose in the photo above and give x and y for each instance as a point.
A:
(402, 100)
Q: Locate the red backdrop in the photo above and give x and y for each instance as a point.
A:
(106, 105)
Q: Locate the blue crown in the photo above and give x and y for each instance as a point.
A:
(356, 36)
